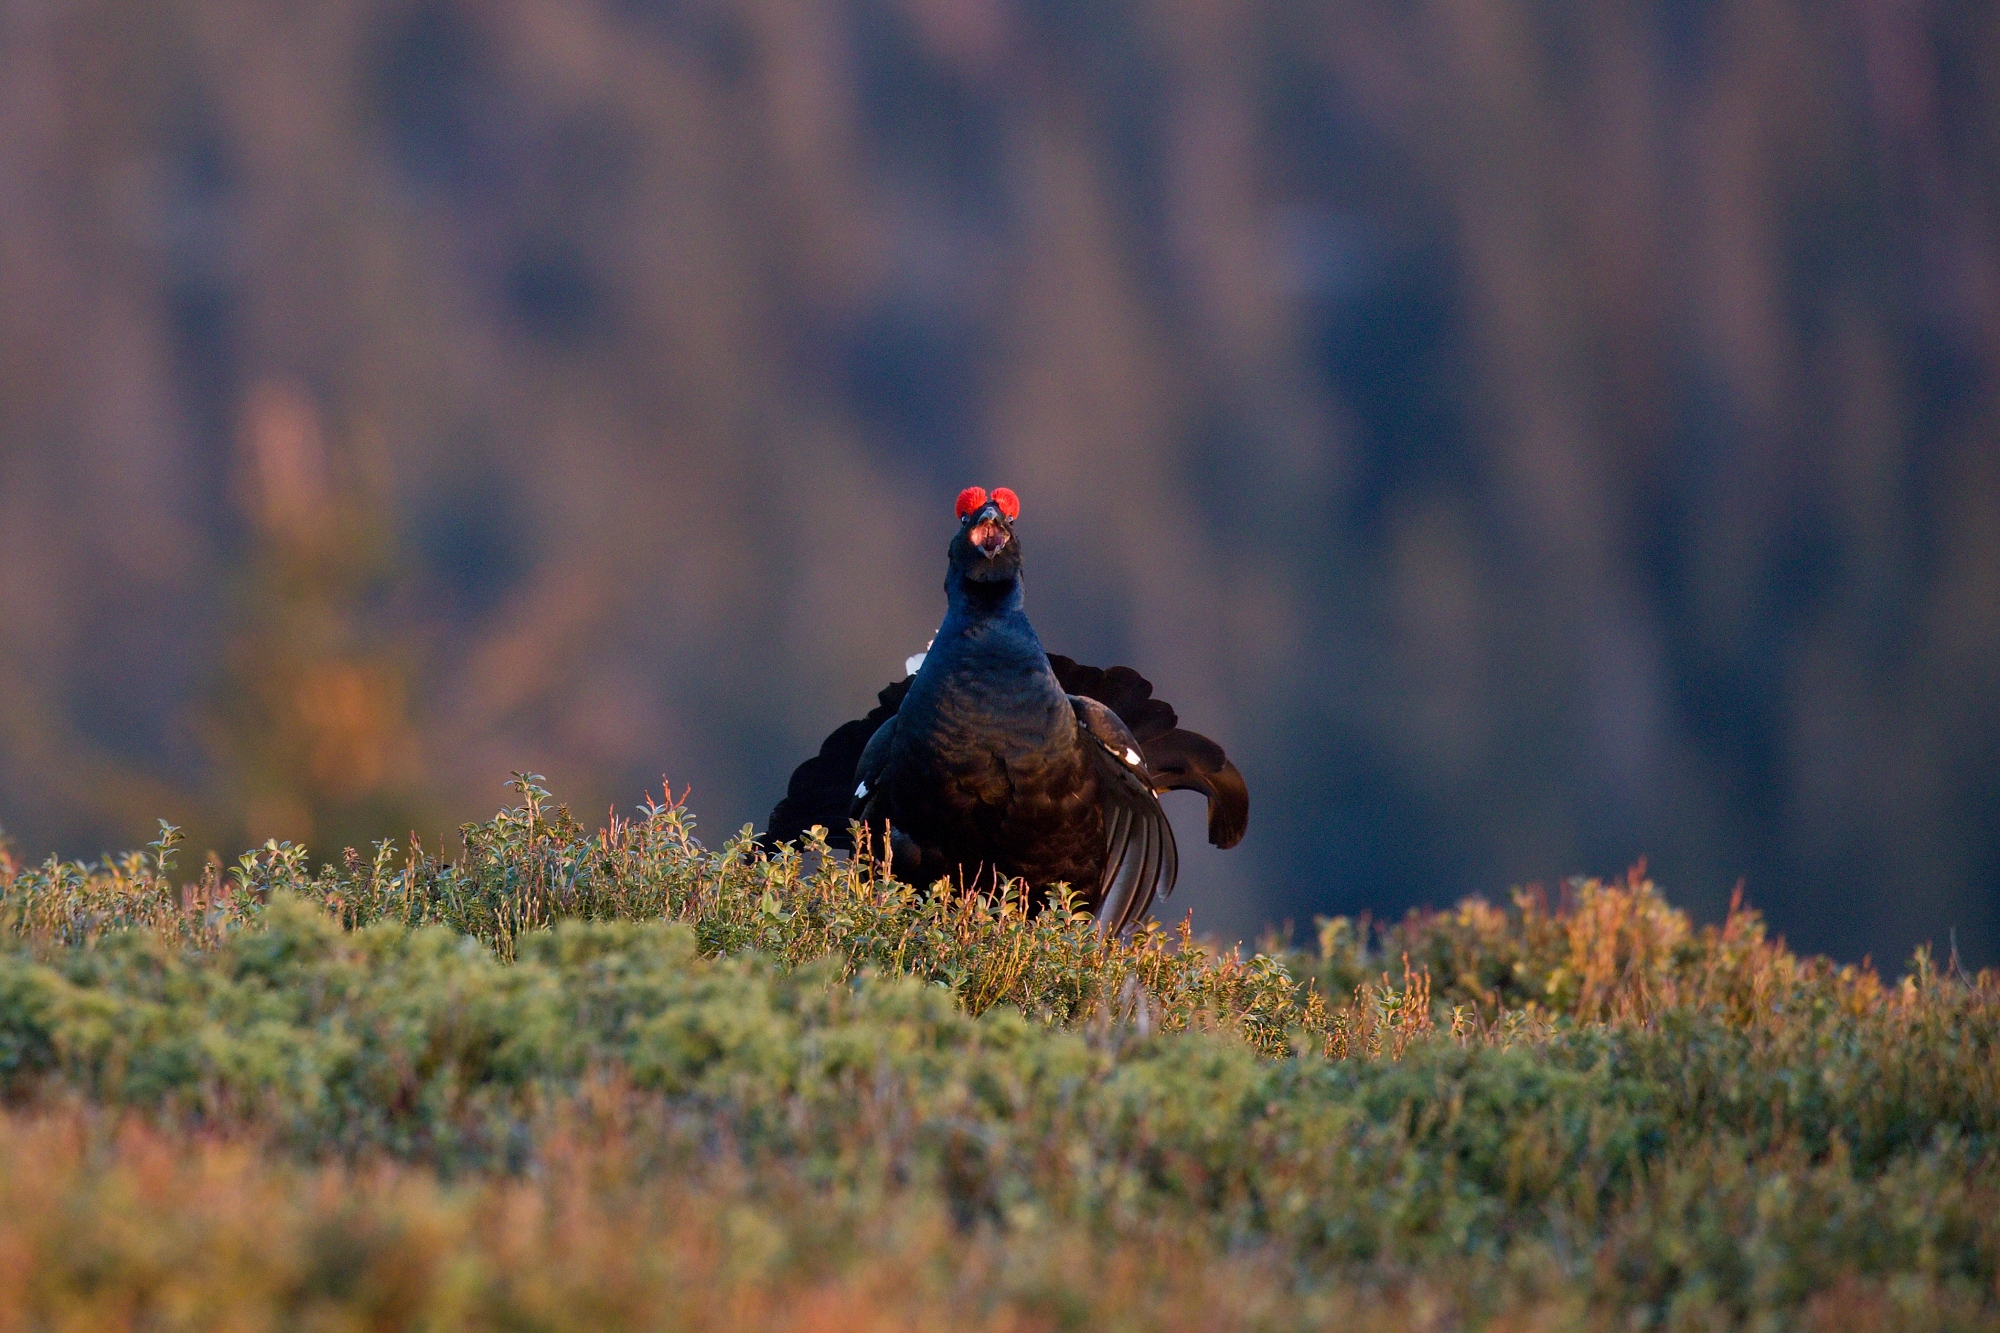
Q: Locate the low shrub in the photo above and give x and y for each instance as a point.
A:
(613, 1079)
(534, 865)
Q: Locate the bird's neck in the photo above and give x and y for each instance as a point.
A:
(970, 601)
(986, 621)
(986, 675)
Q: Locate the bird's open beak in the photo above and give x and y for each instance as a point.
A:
(989, 535)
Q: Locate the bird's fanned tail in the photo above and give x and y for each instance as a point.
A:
(1188, 761)
(1179, 760)
(822, 788)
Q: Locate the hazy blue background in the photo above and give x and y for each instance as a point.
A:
(1530, 434)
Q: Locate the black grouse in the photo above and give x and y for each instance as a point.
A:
(997, 759)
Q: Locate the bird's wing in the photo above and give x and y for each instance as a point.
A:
(1177, 760)
(868, 770)
(822, 788)
(1141, 861)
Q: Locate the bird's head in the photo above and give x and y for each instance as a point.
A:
(985, 550)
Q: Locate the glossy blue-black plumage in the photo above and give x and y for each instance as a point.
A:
(995, 759)
(983, 770)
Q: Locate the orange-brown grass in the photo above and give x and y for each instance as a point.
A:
(1611, 951)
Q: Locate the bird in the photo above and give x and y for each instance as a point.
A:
(994, 760)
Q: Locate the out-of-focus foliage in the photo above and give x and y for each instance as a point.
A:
(628, 1221)
(669, 1087)
(1528, 435)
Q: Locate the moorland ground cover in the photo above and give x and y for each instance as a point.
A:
(619, 1079)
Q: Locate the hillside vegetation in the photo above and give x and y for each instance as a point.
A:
(575, 1080)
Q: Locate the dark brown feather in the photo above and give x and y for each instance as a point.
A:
(1179, 760)
(822, 787)
(1188, 761)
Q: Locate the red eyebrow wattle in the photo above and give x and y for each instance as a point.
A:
(1010, 503)
(971, 498)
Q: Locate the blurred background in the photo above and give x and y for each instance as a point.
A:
(1529, 434)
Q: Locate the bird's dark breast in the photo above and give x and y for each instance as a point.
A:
(994, 779)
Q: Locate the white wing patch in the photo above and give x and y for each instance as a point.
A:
(915, 662)
(1131, 756)
(861, 789)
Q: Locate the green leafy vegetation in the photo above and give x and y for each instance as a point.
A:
(618, 1079)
